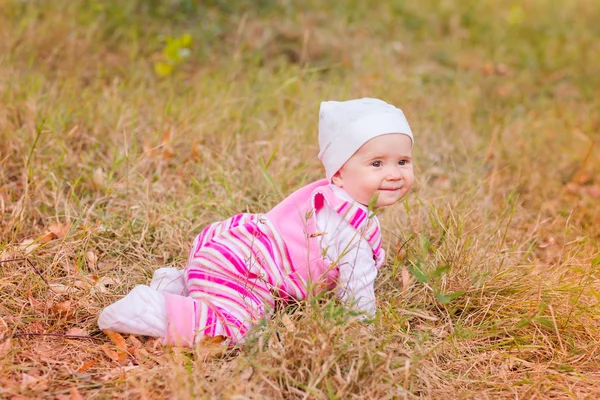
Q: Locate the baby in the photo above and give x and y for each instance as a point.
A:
(324, 236)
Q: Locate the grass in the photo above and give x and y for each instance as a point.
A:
(109, 169)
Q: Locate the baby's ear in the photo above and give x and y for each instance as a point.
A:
(336, 179)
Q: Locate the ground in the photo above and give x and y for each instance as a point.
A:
(125, 127)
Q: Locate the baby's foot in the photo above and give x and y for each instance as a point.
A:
(169, 280)
(141, 312)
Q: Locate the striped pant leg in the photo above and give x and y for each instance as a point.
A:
(231, 299)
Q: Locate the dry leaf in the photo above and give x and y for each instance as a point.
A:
(28, 246)
(400, 252)
(98, 177)
(62, 308)
(87, 365)
(195, 150)
(154, 346)
(75, 395)
(247, 373)
(81, 284)
(90, 256)
(61, 289)
(135, 342)
(287, 322)
(46, 237)
(27, 380)
(167, 148)
(502, 69)
(59, 230)
(76, 332)
(594, 191)
(572, 187)
(487, 69)
(123, 357)
(102, 283)
(110, 353)
(405, 278)
(212, 346)
(5, 340)
(583, 178)
(117, 339)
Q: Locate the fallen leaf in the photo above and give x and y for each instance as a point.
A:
(59, 230)
(594, 191)
(139, 354)
(76, 332)
(287, 322)
(135, 342)
(98, 178)
(123, 357)
(5, 340)
(117, 339)
(502, 69)
(195, 151)
(28, 246)
(400, 252)
(405, 278)
(487, 69)
(572, 187)
(90, 256)
(110, 353)
(549, 241)
(81, 284)
(87, 365)
(167, 148)
(61, 289)
(102, 283)
(75, 395)
(583, 178)
(212, 346)
(46, 237)
(247, 373)
(62, 308)
(27, 380)
(154, 346)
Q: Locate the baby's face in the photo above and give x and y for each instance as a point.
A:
(381, 168)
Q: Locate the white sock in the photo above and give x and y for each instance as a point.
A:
(141, 312)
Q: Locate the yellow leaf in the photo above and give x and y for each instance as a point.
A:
(163, 69)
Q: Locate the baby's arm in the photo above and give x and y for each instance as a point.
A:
(354, 257)
(357, 278)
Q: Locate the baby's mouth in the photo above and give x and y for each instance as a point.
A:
(392, 189)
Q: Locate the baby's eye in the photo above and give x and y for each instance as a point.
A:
(402, 162)
(377, 164)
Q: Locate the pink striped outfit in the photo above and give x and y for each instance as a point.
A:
(238, 267)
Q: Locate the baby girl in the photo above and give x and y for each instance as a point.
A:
(324, 236)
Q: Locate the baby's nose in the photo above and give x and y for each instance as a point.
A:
(394, 176)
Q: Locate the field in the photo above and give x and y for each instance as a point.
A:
(126, 127)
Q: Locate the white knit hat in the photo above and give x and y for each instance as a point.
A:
(344, 126)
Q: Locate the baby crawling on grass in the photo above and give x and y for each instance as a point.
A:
(324, 236)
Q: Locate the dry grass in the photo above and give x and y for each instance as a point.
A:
(108, 171)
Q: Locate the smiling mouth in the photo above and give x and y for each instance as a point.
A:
(390, 190)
